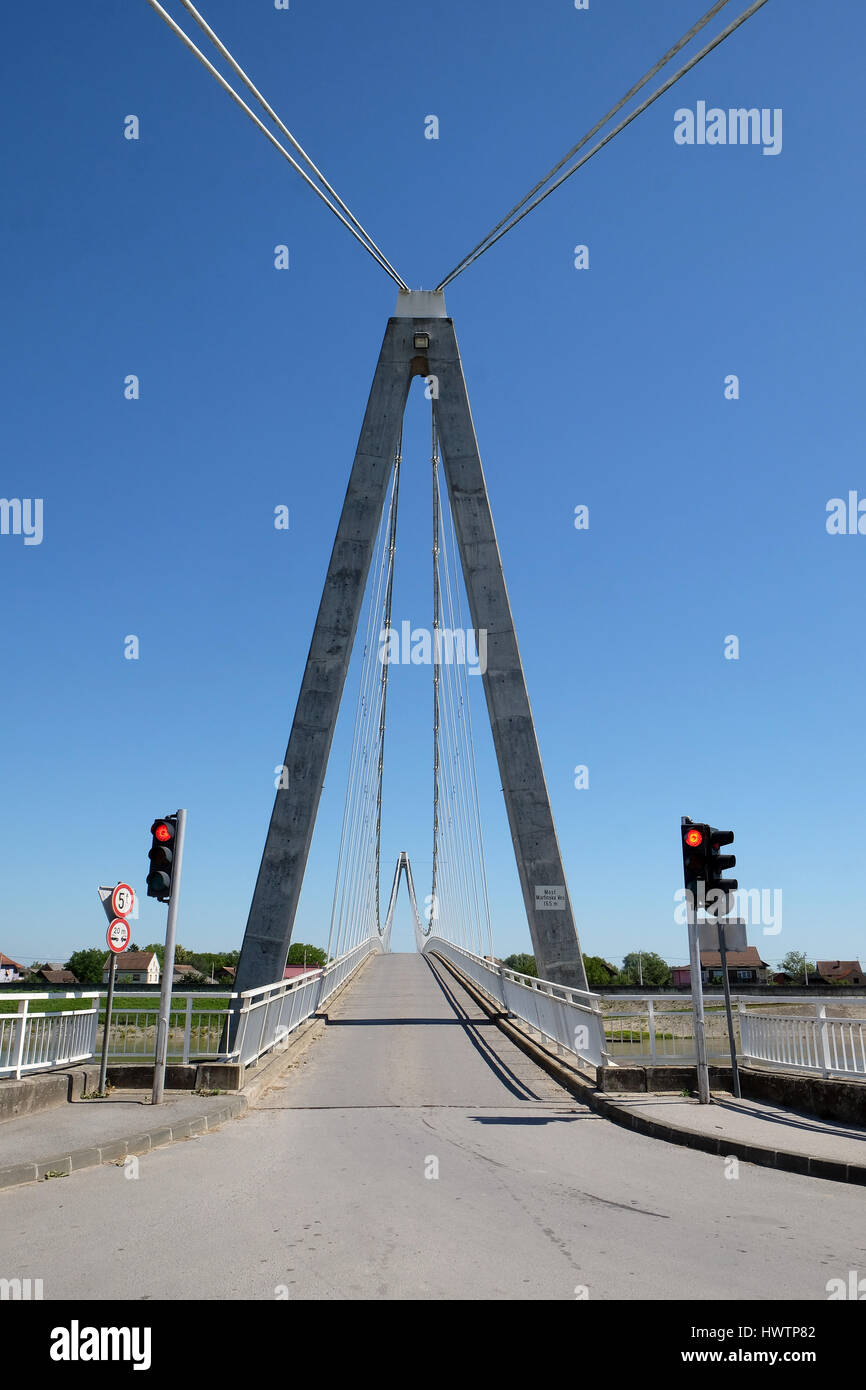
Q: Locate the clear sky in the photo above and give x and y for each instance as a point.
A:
(603, 387)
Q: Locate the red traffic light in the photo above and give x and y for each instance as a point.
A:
(694, 837)
(162, 832)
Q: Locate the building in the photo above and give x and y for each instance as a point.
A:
(744, 968)
(183, 973)
(840, 972)
(134, 968)
(291, 972)
(58, 977)
(10, 970)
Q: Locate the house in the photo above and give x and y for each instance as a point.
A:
(10, 970)
(291, 972)
(840, 972)
(227, 970)
(744, 968)
(182, 974)
(134, 968)
(58, 977)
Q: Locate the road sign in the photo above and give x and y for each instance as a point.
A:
(122, 900)
(118, 935)
(735, 933)
(105, 895)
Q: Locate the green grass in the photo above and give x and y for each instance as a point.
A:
(122, 1003)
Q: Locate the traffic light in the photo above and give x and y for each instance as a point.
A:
(696, 848)
(718, 864)
(161, 858)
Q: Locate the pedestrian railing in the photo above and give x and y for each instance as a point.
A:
(268, 1015)
(790, 1042)
(570, 1018)
(655, 1033)
(194, 1033)
(38, 1040)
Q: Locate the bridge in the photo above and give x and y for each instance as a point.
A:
(429, 1124)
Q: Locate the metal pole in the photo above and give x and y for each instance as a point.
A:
(106, 1027)
(698, 1008)
(168, 965)
(733, 1046)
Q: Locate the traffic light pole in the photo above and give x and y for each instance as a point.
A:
(698, 1005)
(168, 965)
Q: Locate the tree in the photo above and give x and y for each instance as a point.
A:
(796, 964)
(645, 969)
(599, 972)
(300, 954)
(87, 965)
(523, 964)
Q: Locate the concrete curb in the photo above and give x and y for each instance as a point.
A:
(117, 1149)
(582, 1089)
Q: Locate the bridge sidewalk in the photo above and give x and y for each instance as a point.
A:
(66, 1138)
(751, 1130)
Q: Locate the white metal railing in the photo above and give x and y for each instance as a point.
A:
(270, 1013)
(654, 1032)
(569, 1017)
(39, 1040)
(790, 1042)
(193, 1033)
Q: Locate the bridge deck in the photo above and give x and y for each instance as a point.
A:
(405, 1033)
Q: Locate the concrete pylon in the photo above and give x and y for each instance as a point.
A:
(419, 341)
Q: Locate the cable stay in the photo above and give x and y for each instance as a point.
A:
(535, 196)
(459, 904)
(339, 209)
(459, 908)
(355, 910)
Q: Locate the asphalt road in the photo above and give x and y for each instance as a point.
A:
(415, 1153)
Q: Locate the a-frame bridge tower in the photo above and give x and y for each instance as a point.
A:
(419, 341)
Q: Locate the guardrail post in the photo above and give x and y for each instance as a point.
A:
(742, 1020)
(821, 1015)
(22, 1029)
(187, 1028)
(651, 1013)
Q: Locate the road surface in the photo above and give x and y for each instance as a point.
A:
(415, 1153)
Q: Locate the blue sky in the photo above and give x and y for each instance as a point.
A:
(602, 387)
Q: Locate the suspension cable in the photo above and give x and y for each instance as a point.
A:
(459, 887)
(366, 241)
(389, 593)
(352, 908)
(510, 221)
(220, 46)
(436, 605)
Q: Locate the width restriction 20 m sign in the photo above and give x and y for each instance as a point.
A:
(118, 935)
